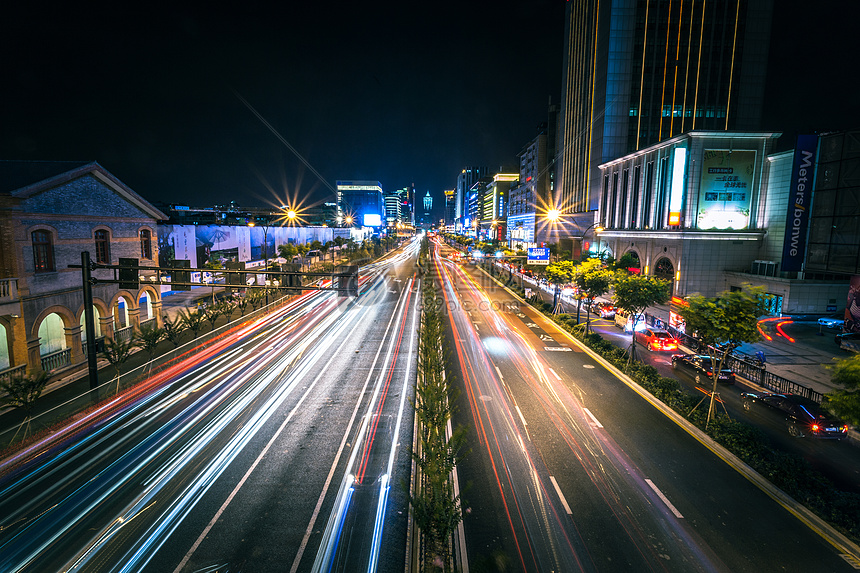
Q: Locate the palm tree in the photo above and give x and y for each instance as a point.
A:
(22, 392)
(213, 313)
(193, 320)
(116, 352)
(173, 329)
(243, 301)
(148, 338)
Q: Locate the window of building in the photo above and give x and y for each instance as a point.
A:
(102, 238)
(146, 244)
(634, 210)
(43, 252)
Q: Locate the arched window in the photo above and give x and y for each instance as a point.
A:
(102, 238)
(146, 244)
(666, 271)
(43, 252)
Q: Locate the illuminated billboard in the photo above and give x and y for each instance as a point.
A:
(725, 191)
(372, 220)
(676, 196)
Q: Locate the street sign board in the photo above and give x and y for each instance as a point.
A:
(538, 256)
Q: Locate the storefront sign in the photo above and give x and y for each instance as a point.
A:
(797, 218)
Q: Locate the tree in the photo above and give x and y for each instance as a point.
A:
(845, 403)
(592, 280)
(634, 293)
(722, 324)
(193, 320)
(173, 329)
(287, 252)
(117, 352)
(560, 273)
(148, 338)
(243, 301)
(22, 392)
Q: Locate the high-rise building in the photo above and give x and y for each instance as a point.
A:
(362, 201)
(392, 209)
(450, 199)
(637, 72)
(465, 180)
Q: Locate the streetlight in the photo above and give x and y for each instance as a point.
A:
(597, 229)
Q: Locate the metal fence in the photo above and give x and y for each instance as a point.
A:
(747, 367)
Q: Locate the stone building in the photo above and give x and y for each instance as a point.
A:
(50, 212)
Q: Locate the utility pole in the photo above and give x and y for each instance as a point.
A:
(89, 319)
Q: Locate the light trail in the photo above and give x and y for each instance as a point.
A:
(544, 537)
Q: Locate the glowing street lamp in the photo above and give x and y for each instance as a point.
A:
(553, 215)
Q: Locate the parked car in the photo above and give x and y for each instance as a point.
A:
(834, 321)
(624, 321)
(699, 367)
(604, 310)
(656, 339)
(803, 416)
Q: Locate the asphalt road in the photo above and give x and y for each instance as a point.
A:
(571, 469)
(283, 447)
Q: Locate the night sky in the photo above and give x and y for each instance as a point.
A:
(396, 92)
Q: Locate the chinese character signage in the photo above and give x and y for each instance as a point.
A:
(726, 189)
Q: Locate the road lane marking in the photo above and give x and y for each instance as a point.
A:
(560, 495)
(521, 415)
(588, 365)
(593, 419)
(663, 497)
(499, 372)
(557, 377)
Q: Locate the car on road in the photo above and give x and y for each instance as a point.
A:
(624, 320)
(656, 339)
(699, 367)
(604, 310)
(803, 417)
(834, 321)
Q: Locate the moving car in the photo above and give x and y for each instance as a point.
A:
(699, 367)
(834, 321)
(656, 339)
(604, 310)
(803, 416)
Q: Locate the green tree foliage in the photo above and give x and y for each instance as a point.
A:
(592, 280)
(436, 508)
(845, 402)
(148, 338)
(289, 251)
(193, 320)
(634, 293)
(560, 273)
(22, 392)
(173, 329)
(723, 323)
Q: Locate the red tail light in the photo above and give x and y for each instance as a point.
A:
(815, 427)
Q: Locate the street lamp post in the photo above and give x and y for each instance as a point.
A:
(265, 258)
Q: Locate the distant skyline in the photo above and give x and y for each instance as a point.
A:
(393, 92)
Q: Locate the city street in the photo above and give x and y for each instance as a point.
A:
(571, 468)
(284, 449)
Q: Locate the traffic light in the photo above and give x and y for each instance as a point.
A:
(346, 278)
(235, 279)
(128, 273)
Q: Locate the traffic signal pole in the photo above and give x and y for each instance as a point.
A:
(89, 319)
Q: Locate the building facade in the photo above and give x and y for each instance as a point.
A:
(708, 212)
(465, 180)
(637, 72)
(49, 213)
(362, 201)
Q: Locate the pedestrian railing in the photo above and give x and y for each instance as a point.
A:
(57, 360)
(124, 334)
(753, 370)
(12, 372)
(148, 323)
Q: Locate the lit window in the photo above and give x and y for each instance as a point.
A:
(145, 244)
(43, 252)
(102, 238)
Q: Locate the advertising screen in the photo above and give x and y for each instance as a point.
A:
(372, 220)
(726, 189)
